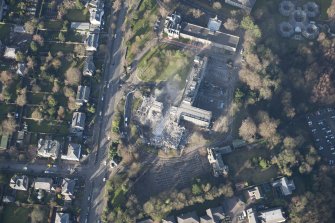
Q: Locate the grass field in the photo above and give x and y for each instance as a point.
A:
(16, 214)
(142, 26)
(53, 24)
(4, 31)
(77, 15)
(241, 170)
(164, 63)
(5, 109)
(48, 127)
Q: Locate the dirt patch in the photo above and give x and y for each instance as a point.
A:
(168, 174)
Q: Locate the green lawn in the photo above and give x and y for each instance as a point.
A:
(5, 109)
(77, 15)
(53, 24)
(164, 63)
(141, 27)
(240, 168)
(14, 214)
(48, 127)
(4, 31)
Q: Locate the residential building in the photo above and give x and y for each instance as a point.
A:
(271, 216)
(207, 37)
(19, 182)
(95, 4)
(21, 67)
(169, 219)
(92, 42)
(286, 186)
(78, 122)
(80, 26)
(247, 5)
(48, 148)
(43, 184)
(216, 215)
(251, 216)
(215, 159)
(190, 217)
(8, 199)
(68, 189)
(62, 217)
(172, 25)
(10, 53)
(253, 194)
(96, 16)
(89, 67)
(73, 152)
(210, 35)
(19, 29)
(83, 94)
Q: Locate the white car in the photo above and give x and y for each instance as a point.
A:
(104, 180)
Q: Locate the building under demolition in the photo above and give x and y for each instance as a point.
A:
(164, 122)
(210, 35)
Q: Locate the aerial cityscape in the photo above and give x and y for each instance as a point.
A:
(167, 111)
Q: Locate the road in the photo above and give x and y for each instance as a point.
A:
(94, 199)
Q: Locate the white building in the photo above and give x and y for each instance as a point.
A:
(10, 53)
(62, 217)
(48, 148)
(96, 16)
(271, 216)
(43, 184)
(286, 186)
(73, 152)
(19, 182)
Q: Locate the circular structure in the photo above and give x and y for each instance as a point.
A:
(311, 31)
(286, 8)
(311, 9)
(286, 29)
(299, 16)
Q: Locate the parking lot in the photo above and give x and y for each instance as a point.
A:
(322, 127)
(214, 93)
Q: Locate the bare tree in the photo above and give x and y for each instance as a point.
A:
(21, 99)
(331, 10)
(217, 5)
(37, 115)
(248, 130)
(197, 13)
(61, 112)
(231, 24)
(268, 128)
(5, 77)
(8, 126)
(39, 39)
(117, 5)
(73, 76)
(30, 26)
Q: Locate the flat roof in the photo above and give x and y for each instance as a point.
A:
(204, 33)
(195, 112)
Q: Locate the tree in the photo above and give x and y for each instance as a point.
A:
(5, 77)
(231, 24)
(248, 130)
(117, 5)
(248, 24)
(51, 101)
(197, 13)
(21, 99)
(73, 76)
(39, 39)
(268, 128)
(8, 126)
(38, 215)
(217, 5)
(68, 92)
(37, 115)
(30, 26)
(196, 189)
(61, 112)
(61, 36)
(331, 10)
(33, 46)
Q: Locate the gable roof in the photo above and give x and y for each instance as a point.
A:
(73, 152)
(190, 217)
(19, 182)
(62, 217)
(286, 186)
(83, 94)
(43, 183)
(272, 216)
